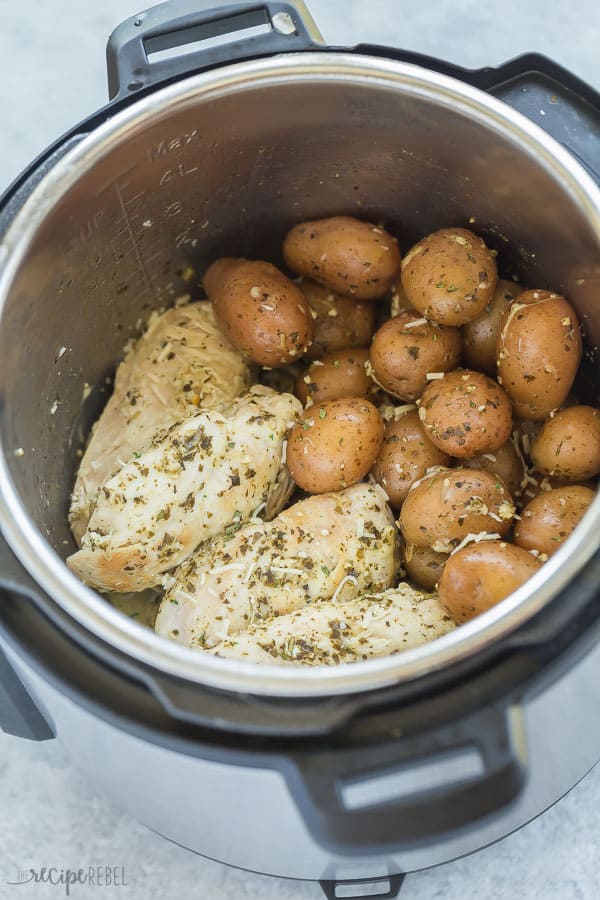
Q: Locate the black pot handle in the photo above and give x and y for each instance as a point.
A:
(19, 715)
(411, 789)
(140, 50)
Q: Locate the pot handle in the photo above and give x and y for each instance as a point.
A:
(19, 715)
(172, 39)
(369, 800)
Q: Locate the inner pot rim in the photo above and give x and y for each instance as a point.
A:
(92, 611)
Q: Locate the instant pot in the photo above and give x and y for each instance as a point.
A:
(226, 126)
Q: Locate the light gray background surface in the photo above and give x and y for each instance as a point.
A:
(52, 75)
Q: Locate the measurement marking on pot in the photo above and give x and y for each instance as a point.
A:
(151, 287)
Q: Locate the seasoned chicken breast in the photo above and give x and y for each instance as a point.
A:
(182, 363)
(330, 545)
(207, 475)
(324, 634)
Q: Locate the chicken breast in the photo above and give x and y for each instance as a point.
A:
(330, 545)
(182, 363)
(324, 634)
(207, 475)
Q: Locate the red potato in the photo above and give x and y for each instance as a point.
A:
(335, 375)
(450, 276)
(262, 312)
(482, 574)
(340, 323)
(448, 504)
(568, 445)
(538, 353)
(407, 348)
(353, 258)
(481, 334)
(405, 456)
(335, 445)
(551, 517)
(465, 413)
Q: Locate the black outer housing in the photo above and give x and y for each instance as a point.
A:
(317, 744)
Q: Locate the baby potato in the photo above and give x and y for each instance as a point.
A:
(481, 575)
(568, 445)
(465, 413)
(538, 353)
(450, 276)
(548, 520)
(341, 323)
(423, 565)
(446, 505)
(262, 312)
(353, 258)
(505, 462)
(335, 375)
(334, 446)
(407, 348)
(480, 335)
(405, 456)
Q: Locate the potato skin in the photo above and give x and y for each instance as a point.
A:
(548, 520)
(481, 334)
(335, 445)
(335, 375)
(405, 456)
(481, 575)
(423, 565)
(340, 323)
(401, 355)
(505, 462)
(450, 276)
(568, 445)
(262, 312)
(538, 353)
(353, 258)
(466, 413)
(398, 298)
(445, 506)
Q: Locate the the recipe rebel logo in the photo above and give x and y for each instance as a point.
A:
(70, 879)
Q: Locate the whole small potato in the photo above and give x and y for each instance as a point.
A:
(548, 520)
(480, 335)
(466, 413)
(335, 375)
(262, 312)
(335, 445)
(341, 323)
(505, 462)
(405, 456)
(450, 276)
(423, 565)
(448, 504)
(568, 445)
(538, 353)
(354, 258)
(407, 348)
(541, 484)
(481, 575)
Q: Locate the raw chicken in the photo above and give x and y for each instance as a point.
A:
(183, 363)
(330, 545)
(207, 475)
(329, 633)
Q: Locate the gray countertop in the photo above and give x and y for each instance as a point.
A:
(51, 75)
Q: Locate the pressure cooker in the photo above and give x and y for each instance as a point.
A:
(227, 125)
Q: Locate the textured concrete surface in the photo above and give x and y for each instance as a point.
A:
(51, 75)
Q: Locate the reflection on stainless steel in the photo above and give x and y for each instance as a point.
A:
(226, 161)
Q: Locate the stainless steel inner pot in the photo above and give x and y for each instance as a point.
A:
(225, 162)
